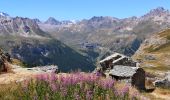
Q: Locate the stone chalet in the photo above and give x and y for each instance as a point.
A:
(121, 67)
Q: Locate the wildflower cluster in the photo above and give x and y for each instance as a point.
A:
(74, 86)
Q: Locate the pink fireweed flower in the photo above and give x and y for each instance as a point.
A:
(62, 78)
(65, 81)
(91, 78)
(77, 96)
(39, 77)
(53, 87)
(106, 83)
(89, 95)
(124, 90)
(121, 92)
(43, 77)
(98, 74)
(63, 91)
(80, 77)
(116, 93)
(52, 77)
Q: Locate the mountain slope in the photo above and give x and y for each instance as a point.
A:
(154, 53)
(24, 40)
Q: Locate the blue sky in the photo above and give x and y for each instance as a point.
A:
(79, 9)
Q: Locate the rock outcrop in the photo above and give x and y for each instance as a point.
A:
(165, 82)
(4, 60)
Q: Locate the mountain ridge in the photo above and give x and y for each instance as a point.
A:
(112, 34)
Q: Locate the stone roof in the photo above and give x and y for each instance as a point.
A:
(118, 59)
(123, 71)
(111, 56)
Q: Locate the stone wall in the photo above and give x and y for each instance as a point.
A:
(138, 79)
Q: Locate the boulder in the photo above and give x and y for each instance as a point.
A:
(48, 68)
(149, 57)
(165, 82)
(4, 59)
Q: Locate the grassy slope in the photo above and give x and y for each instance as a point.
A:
(161, 52)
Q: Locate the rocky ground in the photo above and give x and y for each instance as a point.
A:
(20, 74)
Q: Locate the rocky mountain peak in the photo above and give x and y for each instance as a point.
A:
(102, 18)
(160, 11)
(19, 26)
(2, 14)
(37, 20)
(52, 21)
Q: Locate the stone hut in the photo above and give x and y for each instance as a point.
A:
(121, 67)
(133, 75)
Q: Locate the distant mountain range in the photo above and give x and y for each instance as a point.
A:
(110, 33)
(87, 41)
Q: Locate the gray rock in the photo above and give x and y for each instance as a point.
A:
(165, 82)
(149, 57)
(50, 68)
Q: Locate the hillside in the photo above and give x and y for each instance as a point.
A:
(154, 53)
